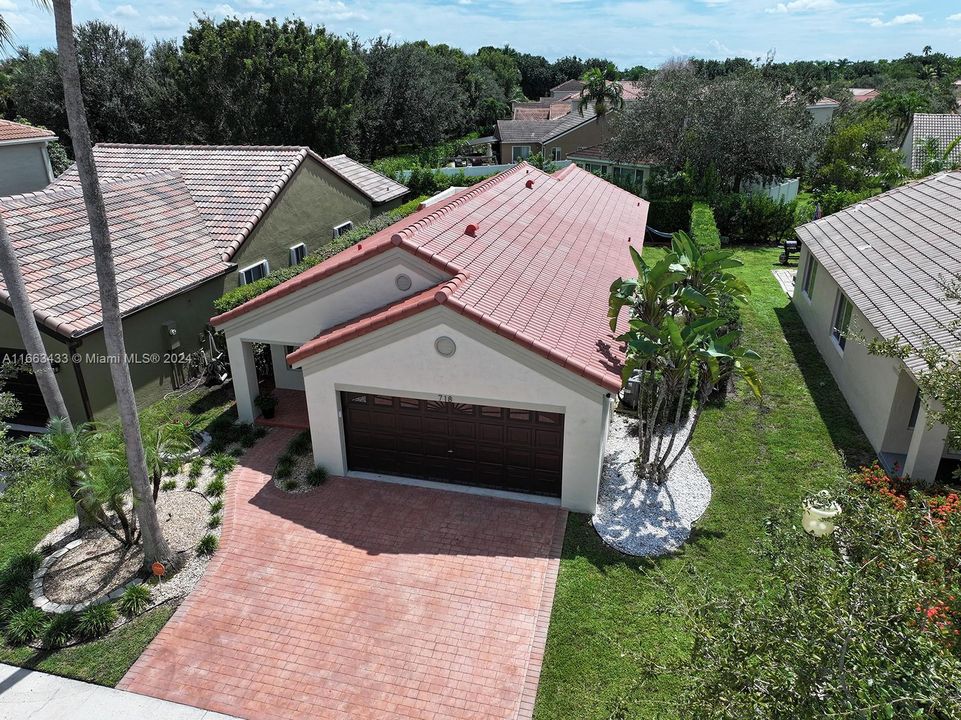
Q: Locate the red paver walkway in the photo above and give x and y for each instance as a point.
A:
(362, 599)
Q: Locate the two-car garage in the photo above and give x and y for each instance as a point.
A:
(513, 449)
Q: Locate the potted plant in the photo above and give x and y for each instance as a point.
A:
(820, 510)
(267, 403)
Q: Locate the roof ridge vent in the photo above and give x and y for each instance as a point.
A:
(529, 184)
(472, 229)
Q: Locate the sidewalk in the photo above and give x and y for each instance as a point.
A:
(33, 695)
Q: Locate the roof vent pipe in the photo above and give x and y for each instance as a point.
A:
(472, 230)
(529, 184)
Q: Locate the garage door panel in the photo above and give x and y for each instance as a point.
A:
(484, 445)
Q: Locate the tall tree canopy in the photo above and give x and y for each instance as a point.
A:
(741, 126)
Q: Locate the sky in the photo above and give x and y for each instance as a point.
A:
(629, 33)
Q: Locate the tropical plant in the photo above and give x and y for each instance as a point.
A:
(208, 544)
(216, 506)
(13, 602)
(938, 159)
(223, 464)
(135, 600)
(675, 351)
(108, 481)
(69, 453)
(60, 630)
(164, 448)
(599, 93)
(26, 626)
(317, 476)
(215, 488)
(156, 548)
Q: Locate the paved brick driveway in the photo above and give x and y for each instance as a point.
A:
(362, 600)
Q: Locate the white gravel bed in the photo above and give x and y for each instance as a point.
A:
(640, 518)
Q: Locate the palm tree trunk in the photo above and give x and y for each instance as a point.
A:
(156, 548)
(26, 322)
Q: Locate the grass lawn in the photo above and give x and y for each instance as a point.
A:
(610, 622)
(32, 508)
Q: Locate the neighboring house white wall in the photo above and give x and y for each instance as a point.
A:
(24, 167)
(880, 391)
(821, 114)
(907, 147)
(486, 369)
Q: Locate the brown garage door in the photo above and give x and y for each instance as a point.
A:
(482, 445)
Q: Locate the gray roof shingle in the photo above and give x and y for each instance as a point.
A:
(945, 129)
(375, 186)
(161, 247)
(890, 254)
(541, 131)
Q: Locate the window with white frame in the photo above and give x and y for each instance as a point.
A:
(810, 274)
(556, 153)
(342, 228)
(298, 253)
(520, 152)
(842, 320)
(254, 272)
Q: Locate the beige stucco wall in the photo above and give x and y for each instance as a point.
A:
(869, 384)
(487, 369)
(23, 168)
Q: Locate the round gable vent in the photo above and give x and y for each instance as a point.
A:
(445, 346)
(403, 282)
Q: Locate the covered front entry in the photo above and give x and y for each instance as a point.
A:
(481, 445)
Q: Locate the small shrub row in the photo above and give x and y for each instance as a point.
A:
(208, 545)
(703, 227)
(239, 295)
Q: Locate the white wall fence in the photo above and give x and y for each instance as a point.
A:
(783, 192)
(475, 170)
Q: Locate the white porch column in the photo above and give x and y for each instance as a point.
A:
(244, 372)
(926, 448)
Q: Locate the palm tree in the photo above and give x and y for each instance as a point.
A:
(109, 481)
(156, 548)
(600, 93)
(165, 447)
(23, 310)
(937, 160)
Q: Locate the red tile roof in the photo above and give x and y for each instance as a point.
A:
(233, 186)
(161, 247)
(10, 130)
(537, 271)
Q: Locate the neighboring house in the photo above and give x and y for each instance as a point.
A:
(467, 343)
(862, 95)
(874, 270)
(24, 162)
(823, 110)
(553, 125)
(187, 223)
(943, 129)
(595, 160)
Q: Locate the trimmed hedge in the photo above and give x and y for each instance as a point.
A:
(670, 214)
(703, 228)
(241, 294)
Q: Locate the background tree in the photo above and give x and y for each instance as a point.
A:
(156, 548)
(857, 155)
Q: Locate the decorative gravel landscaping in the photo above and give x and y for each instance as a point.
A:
(295, 471)
(642, 518)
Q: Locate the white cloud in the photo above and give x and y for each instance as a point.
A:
(125, 11)
(955, 18)
(909, 19)
(227, 10)
(163, 22)
(801, 6)
(326, 10)
(720, 48)
(7, 5)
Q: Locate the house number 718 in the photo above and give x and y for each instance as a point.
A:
(446, 398)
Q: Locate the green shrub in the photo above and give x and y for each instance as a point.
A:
(196, 467)
(236, 452)
(241, 294)
(223, 464)
(135, 600)
(703, 228)
(13, 602)
(317, 476)
(291, 485)
(96, 621)
(26, 626)
(285, 468)
(60, 630)
(753, 218)
(215, 488)
(216, 506)
(300, 445)
(214, 522)
(260, 432)
(170, 484)
(19, 570)
(191, 484)
(208, 544)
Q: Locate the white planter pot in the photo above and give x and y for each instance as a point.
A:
(820, 521)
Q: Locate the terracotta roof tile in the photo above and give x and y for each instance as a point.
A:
(10, 130)
(537, 271)
(160, 243)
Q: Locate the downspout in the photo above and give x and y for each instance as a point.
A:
(72, 347)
